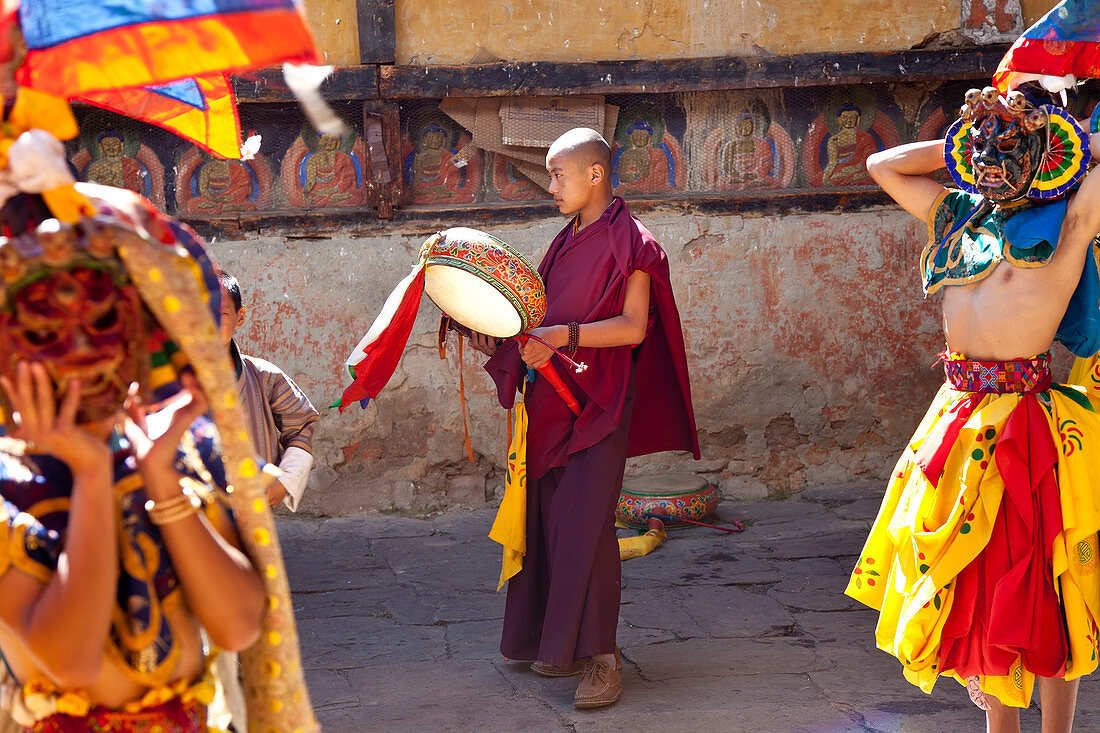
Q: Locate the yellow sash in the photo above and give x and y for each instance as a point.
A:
(510, 525)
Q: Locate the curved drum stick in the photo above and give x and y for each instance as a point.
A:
(547, 370)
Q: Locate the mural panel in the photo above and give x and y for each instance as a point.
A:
(111, 152)
(324, 171)
(849, 128)
(207, 185)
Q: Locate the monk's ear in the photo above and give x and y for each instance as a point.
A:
(597, 173)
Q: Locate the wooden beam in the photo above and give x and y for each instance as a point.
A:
(674, 75)
(382, 130)
(345, 83)
(377, 43)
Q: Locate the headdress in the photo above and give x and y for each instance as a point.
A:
(1065, 155)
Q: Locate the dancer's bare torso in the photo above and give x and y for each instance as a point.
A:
(1014, 312)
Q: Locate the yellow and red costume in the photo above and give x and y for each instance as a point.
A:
(983, 561)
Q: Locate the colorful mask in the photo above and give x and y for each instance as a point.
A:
(1007, 149)
(80, 323)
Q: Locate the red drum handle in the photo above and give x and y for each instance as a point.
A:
(547, 370)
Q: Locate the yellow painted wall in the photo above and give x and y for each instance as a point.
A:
(1035, 9)
(336, 30)
(450, 32)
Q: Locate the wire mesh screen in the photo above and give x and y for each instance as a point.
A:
(295, 168)
(459, 153)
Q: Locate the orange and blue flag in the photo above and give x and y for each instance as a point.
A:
(166, 63)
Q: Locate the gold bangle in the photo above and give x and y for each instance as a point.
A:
(174, 509)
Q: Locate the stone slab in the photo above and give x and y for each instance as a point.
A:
(864, 509)
(842, 493)
(814, 593)
(735, 612)
(353, 642)
(767, 512)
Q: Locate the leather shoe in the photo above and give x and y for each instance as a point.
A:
(600, 685)
(546, 669)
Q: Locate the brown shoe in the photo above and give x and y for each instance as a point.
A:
(552, 670)
(600, 685)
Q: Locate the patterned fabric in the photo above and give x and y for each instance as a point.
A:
(983, 560)
(174, 716)
(968, 238)
(35, 503)
(999, 377)
(165, 63)
(510, 525)
(1064, 41)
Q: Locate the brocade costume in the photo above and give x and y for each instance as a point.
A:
(160, 265)
(983, 560)
(35, 492)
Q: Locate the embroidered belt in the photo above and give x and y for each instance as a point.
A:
(999, 377)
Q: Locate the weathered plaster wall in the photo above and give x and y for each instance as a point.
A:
(444, 32)
(809, 345)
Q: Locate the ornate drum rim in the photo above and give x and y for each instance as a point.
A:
(433, 257)
(650, 502)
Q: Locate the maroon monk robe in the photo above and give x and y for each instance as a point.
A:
(585, 279)
(564, 604)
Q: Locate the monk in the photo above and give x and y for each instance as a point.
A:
(982, 561)
(610, 304)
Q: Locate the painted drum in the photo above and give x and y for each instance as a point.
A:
(482, 283)
(674, 495)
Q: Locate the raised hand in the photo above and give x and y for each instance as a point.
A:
(47, 428)
(156, 437)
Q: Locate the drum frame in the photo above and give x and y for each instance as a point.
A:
(531, 310)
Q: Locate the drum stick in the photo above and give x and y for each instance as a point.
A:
(738, 527)
(576, 367)
(547, 370)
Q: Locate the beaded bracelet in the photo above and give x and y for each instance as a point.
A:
(574, 338)
(174, 509)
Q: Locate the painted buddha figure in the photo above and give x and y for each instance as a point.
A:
(847, 150)
(113, 168)
(330, 174)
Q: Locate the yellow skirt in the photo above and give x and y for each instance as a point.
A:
(928, 531)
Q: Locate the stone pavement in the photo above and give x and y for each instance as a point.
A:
(400, 627)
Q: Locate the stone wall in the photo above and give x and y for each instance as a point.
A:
(808, 338)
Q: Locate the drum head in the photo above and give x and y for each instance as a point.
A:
(666, 484)
(471, 301)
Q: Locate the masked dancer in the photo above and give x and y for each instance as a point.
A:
(982, 562)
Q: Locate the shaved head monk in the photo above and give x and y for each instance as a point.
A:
(610, 305)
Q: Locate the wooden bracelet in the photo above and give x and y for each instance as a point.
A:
(574, 338)
(174, 509)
